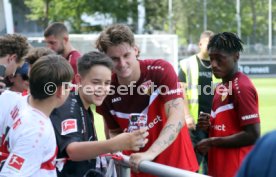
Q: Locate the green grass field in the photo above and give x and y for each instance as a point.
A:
(266, 88)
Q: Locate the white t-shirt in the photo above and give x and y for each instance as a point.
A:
(32, 145)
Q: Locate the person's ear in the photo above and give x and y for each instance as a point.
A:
(65, 38)
(59, 92)
(136, 50)
(12, 57)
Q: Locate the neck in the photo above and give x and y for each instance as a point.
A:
(85, 103)
(203, 56)
(45, 106)
(67, 50)
(230, 76)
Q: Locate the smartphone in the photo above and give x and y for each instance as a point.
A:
(137, 121)
(2, 70)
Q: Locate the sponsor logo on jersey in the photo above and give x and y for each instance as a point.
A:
(154, 122)
(150, 67)
(219, 127)
(175, 91)
(251, 116)
(16, 162)
(69, 126)
(224, 95)
(117, 99)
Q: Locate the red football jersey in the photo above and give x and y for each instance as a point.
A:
(158, 84)
(235, 105)
(73, 57)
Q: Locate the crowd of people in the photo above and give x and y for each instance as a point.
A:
(47, 126)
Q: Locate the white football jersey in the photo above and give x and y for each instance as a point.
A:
(32, 145)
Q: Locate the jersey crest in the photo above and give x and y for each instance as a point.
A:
(147, 87)
(16, 162)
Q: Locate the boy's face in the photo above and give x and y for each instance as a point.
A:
(125, 61)
(223, 63)
(95, 85)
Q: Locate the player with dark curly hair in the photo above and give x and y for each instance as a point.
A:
(234, 123)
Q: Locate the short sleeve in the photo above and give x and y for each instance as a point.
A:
(167, 81)
(67, 130)
(246, 103)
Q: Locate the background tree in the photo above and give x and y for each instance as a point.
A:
(46, 11)
(187, 20)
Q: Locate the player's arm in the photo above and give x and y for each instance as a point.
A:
(248, 136)
(175, 121)
(79, 151)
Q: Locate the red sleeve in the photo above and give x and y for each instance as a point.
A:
(168, 81)
(246, 102)
(108, 118)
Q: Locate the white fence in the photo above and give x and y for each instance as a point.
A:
(151, 46)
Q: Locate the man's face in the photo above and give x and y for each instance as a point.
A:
(55, 43)
(223, 64)
(95, 85)
(203, 43)
(125, 61)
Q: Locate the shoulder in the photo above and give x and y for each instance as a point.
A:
(242, 83)
(31, 123)
(156, 65)
(9, 95)
(74, 55)
(188, 59)
(70, 103)
(69, 109)
(188, 62)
